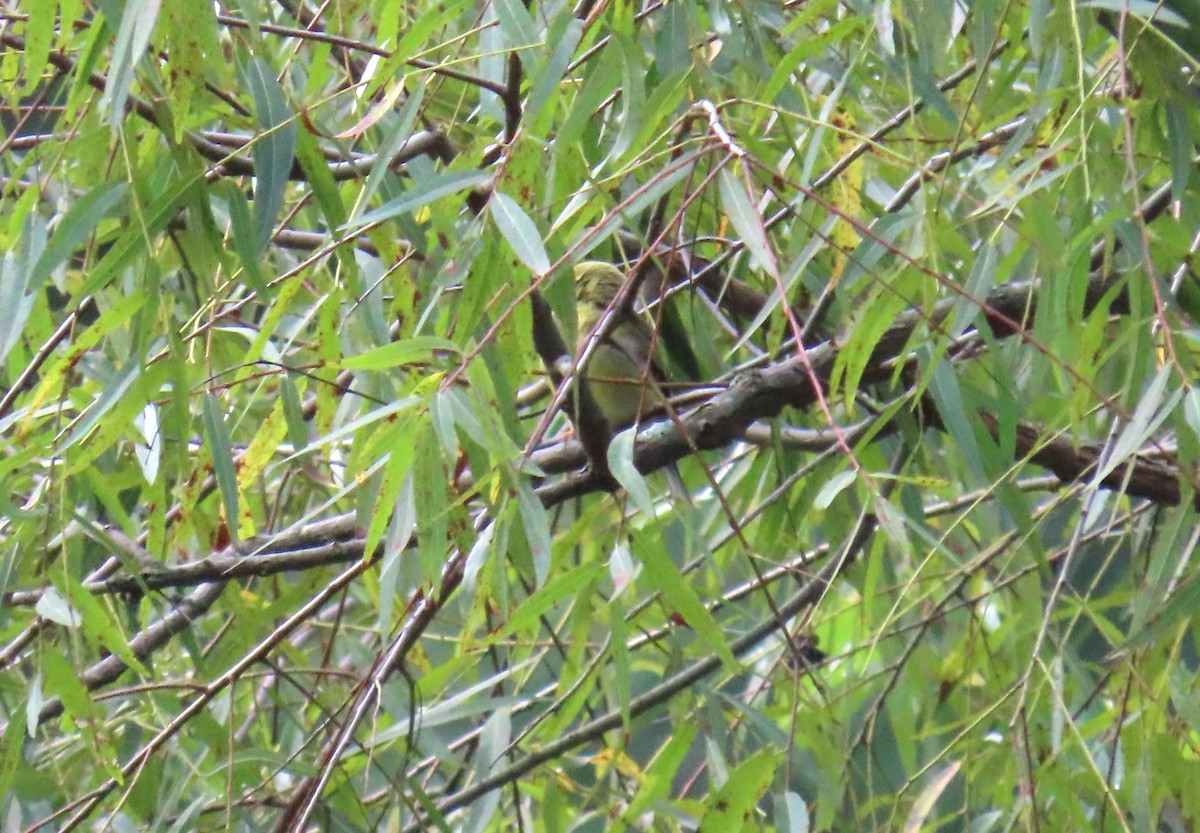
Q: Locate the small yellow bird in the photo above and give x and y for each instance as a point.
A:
(621, 372)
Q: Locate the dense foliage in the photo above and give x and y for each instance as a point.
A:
(297, 532)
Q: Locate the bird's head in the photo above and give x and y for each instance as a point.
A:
(597, 283)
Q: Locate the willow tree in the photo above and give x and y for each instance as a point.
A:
(309, 521)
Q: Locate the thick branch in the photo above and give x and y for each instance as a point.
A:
(426, 143)
(223, 566)
(148, 640)
(764, 393)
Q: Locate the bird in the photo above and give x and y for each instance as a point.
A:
(622, 374)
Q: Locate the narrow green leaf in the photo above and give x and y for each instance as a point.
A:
(55, 376)
(537, 529)
(550, 594)
(1191, 410)
(604, 77)
(12, 748)
(172, 199)
(621, 569)
(552, 71)
(33, 705)
(274, 150)
(1153, 407)
(79, 221)
(1180, 145)
(100, 627)
(494, 739)
(1038, 13)
(396, 473)
(492, 63)
(350, 428)
(192, 39)
(633, 95)
(1146, 10)
(516, 24)
(63, 681)
(222, 457)
(833, 487)
(408, 33)
(621, 689)
(429, 489)
(1183, 683)
(17, 295)
(111, 395)
(747, 221)
(417, 33)
(891, 521)
(399, 131)
(420, 349)
(39, 34)
(672, 47)
(293, 412)
(980, 282)
(1158, 598)
(732, 806)
(925, 802)
(403, 524)
(54, 607)
(477, 557)
(422, 193)
(664, 769)
(137, 25)
(520, 232)
(679, 595)
(806, 47)
(873, 320)
(620, 463)
(241, 223)
(792, 814)
(956, 413)
(98, 39)
(319, 178)
(650, 193)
